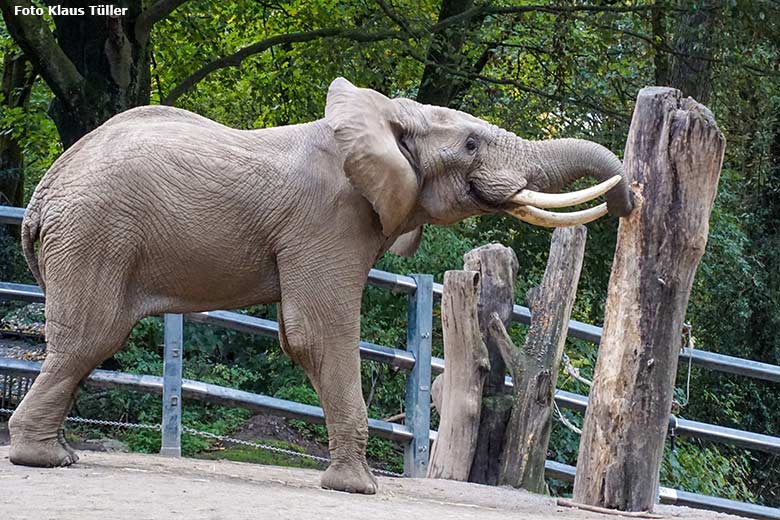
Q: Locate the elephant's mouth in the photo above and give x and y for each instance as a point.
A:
(530, 206)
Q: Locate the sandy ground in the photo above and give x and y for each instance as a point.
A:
(131, 486)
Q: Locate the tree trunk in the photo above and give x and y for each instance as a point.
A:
(467, 364)
(694, 40)
(437, 87)
(498, 267)
(96, 65)
(535, 367)
(17, 82)
(113, 62)
(660, 48)
(673, 154)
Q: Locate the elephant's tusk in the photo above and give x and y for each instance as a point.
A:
(562, 200)
(540, 217)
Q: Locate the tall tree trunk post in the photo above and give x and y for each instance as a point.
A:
(437, 85)
(673, 155)
(467, 365)
(660, 50)
(17, 81)
(535, 367)
(498, 267)
(113, 59)
(691, 62)
(95, 73)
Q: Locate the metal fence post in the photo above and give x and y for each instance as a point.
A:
(418, 383)
(171, 411)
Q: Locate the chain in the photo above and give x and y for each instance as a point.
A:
(209, 435)
(99, 422)
(118, 424)
(224, 438)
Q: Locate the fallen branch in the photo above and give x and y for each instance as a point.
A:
(603, 510)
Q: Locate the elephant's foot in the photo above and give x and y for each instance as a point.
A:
(43, 454)
(352, 477)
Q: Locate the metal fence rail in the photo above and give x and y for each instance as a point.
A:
(688, 428)
(585, 331)
(402, 359)
(406, 360)
(11, 215)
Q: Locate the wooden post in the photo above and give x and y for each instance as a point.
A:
(498, 267)
(535, 367)
(467, 364)
(673, 155)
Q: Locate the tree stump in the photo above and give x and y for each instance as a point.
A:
(467, 364)
(673, 155)
(535, 367)
(498, 267)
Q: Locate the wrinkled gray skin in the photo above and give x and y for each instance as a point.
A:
(161, 210)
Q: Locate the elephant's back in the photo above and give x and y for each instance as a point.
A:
(156, 184)
(147, 157)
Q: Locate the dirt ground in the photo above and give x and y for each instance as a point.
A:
(131, 486)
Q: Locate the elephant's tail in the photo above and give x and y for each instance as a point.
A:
(30, 231)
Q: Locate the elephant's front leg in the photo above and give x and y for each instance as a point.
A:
(320, 330)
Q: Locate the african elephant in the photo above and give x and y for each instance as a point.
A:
(161, 210)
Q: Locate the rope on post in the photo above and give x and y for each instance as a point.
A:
(574, 371)
(564, 421)
(689, 343)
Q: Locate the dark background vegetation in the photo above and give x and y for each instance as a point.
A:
(542, 69)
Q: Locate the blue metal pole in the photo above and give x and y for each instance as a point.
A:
(171, 412)
(418, 382)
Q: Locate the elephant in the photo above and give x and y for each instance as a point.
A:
(160, 210)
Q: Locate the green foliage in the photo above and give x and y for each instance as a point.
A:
(385, 455)
(304, 393)
(143, 353)
(701, 469)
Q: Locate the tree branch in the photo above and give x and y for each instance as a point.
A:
(668, 50)
(401, 22)
(38, 43)
(235, 59)
(520, 86)
(487, 9)
(436, 87)
(153, 14)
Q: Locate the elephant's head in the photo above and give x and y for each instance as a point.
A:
(425, 164)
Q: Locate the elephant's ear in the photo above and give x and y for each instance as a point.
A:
(407, 244)
(366, 131)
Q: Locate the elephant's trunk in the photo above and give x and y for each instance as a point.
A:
(561, 161)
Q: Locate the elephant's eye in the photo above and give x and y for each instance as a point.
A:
(472, 144)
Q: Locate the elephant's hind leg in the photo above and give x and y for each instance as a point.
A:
(74, 348)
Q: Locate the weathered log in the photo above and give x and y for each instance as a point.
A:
(673, 155)
(535, 367)
(498, 267)
(467, 364)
